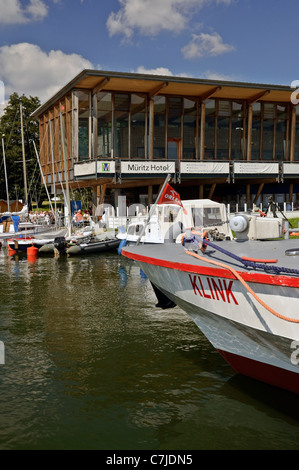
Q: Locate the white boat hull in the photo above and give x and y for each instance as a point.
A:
(256, 342)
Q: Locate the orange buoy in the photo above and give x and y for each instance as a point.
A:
(32, 250)
(32, 253)
(11, 251)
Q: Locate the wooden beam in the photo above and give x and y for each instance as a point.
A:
(212, 190)
(100, 85)
(156, 91)
(258, 96)
(209, 93)
(258, 192)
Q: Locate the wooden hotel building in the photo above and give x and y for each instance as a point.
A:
(122, 133)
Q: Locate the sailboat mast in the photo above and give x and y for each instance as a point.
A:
(24, 159)
(5, 173)
(66, 173)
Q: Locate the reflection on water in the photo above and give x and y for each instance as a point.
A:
(90, 363)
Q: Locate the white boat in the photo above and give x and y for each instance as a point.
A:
(242, 293)
(169, 221)
(21, 243)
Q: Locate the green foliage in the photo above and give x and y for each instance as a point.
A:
(10, 131)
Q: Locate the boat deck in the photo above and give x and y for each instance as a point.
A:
(175, 254)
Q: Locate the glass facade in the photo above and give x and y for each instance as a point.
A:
(135, 126)
(83, 125)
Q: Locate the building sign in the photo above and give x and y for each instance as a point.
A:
(106, 168)
(256, 168)
(204, 168)
(290, 169)
(147, 168)
(82, 170)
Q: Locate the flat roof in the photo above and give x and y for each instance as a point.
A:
(170, 85)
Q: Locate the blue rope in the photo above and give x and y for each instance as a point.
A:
(195, 239)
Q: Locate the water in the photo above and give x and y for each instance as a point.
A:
(90, 363)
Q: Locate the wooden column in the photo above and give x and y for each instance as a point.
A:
(291, 191)
(248, 201)
(201, 191)
(213, 187)
(151, 130)
(249, 133)
(293, 134)
(258, 192)
(202, 131)
(150, 194)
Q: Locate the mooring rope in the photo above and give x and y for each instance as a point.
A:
(247, 262)
(239, 277)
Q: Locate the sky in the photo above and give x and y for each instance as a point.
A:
(44, 44)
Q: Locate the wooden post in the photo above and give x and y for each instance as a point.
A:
(202, 131)
(248, 201)
(150, 194)
(212, 191)
(258, 192)
(249, 133)
(293, 134)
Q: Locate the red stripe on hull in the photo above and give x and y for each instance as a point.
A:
(263, 372)
(275, 280)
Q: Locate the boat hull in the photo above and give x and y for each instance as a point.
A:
(252, 339)
(93, 247)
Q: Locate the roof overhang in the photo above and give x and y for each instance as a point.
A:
(99, 80)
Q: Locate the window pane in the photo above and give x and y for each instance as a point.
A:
(222, 138)
(83, 130)
(122, 106)
(256, 131)
(210, 130)
(189, 139)
(138, 116)
(104, 115)
(174, 117)
(159, 126)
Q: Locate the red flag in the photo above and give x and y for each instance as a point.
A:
(170, 196)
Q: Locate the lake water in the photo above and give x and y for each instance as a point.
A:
(90, 363)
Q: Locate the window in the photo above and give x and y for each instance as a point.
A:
(159, 126)
(84, 125)
(190, 129)
(137, 122)
(121, 125)
(210, 130)
(104, 119)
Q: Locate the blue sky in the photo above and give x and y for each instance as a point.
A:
(46, 43)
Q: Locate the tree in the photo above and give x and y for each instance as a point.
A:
(10, 131)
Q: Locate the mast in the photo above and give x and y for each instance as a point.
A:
(24, 159)
(66, 174)
(5, 173)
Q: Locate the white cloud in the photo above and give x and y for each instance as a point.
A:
(206, 44)
(210, 75)
(157, 71)
(25, 68)
(150, 17)
(13, 12)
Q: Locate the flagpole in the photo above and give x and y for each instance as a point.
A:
(168, 177)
